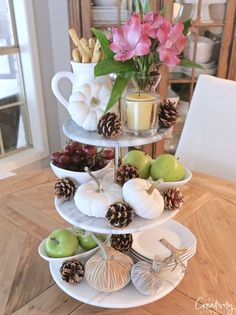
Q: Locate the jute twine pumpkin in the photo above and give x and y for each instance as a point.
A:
(108, 270)
(146, 277)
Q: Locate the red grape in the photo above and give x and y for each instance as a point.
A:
(78, 149)
(100, 162)
(89, 161)
(64, 160)
(55, 156)
(90, 150)
(75, 143)
(69, 149)
(76, 159)
(107, 154)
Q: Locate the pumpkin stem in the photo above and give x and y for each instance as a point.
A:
(98, 182)
(158, 182)
(150, 189)
(155, 266)
(103, 247)
(94, 101)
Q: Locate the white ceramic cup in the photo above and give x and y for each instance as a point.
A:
(204, 49)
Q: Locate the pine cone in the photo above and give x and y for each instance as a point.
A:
(64, 188)
(121, 242)
(120, 215)
(109, 125)
(167, 114)
(126, 172)
(72, 271)
(173, 199)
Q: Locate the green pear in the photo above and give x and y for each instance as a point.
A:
(167, 167)
(141, 160)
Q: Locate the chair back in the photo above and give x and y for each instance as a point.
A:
(208, 140)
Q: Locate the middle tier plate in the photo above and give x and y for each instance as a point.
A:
(73, 131)
(71, 214)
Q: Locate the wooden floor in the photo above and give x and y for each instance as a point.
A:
(27, 215)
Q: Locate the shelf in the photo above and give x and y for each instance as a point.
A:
(124, 298)
(68, 211)
(74, 132)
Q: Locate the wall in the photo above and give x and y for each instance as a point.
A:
(51, 21)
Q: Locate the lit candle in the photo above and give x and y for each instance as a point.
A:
(139, 110)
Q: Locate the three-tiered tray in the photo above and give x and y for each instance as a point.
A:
(143, 229)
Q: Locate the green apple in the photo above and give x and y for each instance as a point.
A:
(61, 243)
(86, 240)
(141, 160)
(167, 167)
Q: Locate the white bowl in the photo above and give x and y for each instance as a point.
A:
(204, 49)
(82, 255)
(166, 185)
(79, 177)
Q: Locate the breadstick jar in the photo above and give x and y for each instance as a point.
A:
(85, 56)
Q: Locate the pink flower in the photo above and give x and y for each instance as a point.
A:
(130, 40)
(172, 46)
(157, 26)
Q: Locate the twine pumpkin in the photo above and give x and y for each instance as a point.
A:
(108, 270)
(146, 277)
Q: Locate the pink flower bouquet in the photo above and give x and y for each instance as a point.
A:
(146, 40)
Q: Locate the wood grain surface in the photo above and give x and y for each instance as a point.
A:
(27, 215)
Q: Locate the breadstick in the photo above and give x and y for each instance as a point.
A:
(96, 56)
(76, 41)
(76, 55)
(85, 46)
(91, 45)
(96, 53)
(74, 36)
(85, 59)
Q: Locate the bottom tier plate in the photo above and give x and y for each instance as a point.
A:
(125, 298)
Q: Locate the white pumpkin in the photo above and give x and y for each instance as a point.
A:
(94, 197)
(87, 105)
(143, 197)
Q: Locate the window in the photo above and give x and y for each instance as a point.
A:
(23, 136)
(15, 132)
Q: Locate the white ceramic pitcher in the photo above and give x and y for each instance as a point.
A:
(82, 73)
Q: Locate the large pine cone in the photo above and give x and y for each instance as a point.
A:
(167, 114)
(126, 172)
(173, 199)
(121, 242)
(120, 215)
(109, 125)
(72, 271)
(64, 188)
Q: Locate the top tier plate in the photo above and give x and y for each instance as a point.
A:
(74, 132)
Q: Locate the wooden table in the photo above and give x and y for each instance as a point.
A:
(27, 215)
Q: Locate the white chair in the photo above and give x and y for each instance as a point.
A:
(208, 140)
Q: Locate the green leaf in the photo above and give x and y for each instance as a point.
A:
(187, 25)
(107, 66)
(104, 42)
(190, 64)
(117, 89)
(138, 6)
(147, 7)
(163, 11)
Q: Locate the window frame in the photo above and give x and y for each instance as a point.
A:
(25, 26)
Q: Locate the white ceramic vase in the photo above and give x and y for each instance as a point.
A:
(82, 73)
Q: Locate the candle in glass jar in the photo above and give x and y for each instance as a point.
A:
(139, 110)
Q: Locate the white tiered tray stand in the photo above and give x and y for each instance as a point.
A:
(83, 292)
